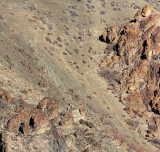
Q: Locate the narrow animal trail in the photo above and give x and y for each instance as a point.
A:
(52, 49)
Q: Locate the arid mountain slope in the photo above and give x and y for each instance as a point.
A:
(52, 98)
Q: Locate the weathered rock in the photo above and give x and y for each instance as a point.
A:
(150, 133)
(5, 95)
(67, 120)
(111, 34)
(20, 105)
(146, 116)
(104, 35)
(130, 122)
(105, 61)
(90, 125)
(19, 123)
(129, 110)
(40, 122)
(79, 114)
(49, 106)
(27, 121)
(144, 12)
(133, 65)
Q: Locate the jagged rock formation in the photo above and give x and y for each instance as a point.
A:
(20, 118)
(47, 122)
(132, 65)
(64, 130)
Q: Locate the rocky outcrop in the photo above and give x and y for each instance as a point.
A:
(5, 95)
(69, 128)
(49, 106)
(32, 118)
(133, 65)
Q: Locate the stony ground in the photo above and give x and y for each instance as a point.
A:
(52, 49)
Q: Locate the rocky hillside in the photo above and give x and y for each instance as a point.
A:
(52, 98)
(132, 64)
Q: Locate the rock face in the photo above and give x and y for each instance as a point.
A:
(30, 119)
(5, 95)
(33, 119)
(132, 63)
(49, 106)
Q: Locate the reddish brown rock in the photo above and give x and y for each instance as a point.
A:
(20, 105)
(129, 110)
(40, 122)
(104, 35)
(31, 119)
(19, 122)
(133, 60)
(67, 120)
(133, 66)
(150, 133)
(111, 34)
(105, 61)
(5, 95)
(141, 150)
(146, 116)
(144, 12)
(49, 106)
(130, 122)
